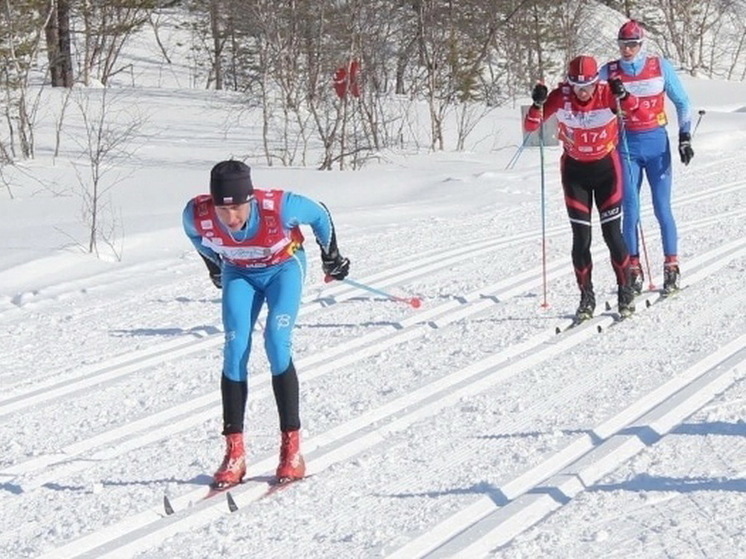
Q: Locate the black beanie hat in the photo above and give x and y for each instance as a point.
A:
(230, 183)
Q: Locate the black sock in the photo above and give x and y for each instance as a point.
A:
(285, 387)
(234, 395)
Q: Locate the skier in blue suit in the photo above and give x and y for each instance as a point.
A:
(251, 242)
(645, 146)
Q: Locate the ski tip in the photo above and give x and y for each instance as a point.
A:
(232, 506)
(167, 506)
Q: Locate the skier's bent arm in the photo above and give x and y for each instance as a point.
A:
(187, 219)
(675, 91)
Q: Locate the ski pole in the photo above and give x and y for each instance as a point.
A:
(544, 304)
(519, 151)
(701, 114)
(625, 145)
(414, 302)
(651, 285)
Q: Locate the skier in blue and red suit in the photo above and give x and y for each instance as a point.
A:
(645, 145)
(252, 245)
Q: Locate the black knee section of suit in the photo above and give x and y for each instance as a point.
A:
(234, 395)
(285, 387)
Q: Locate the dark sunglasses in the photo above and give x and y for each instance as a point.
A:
(633, 43)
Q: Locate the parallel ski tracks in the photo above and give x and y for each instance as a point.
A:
(332, 294)
(486, 525)
(195, 411)
(148, 528)
(201, 409)
(131, 362)
(64, 290)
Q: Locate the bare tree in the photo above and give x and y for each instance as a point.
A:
(280, 60)
(627, 7)
(738, 24)
(462, 58)
(455, 42)
(4, 180)
(218, 40)
(59, 124)
(216, 26)
(21, 32)
(110, 127)
(690, 32)
(106, 26)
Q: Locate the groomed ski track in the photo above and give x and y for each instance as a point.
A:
(585, 458)
(200, 341)
(503, 510)
(196, 411)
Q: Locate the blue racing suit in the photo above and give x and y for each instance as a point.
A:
(245, 289)
(649, 150)
(262, 262)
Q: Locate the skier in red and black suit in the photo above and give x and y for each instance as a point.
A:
(586, 110)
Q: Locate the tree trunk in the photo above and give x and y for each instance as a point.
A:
(218, 43)
(65, 54)
(51, 32)
(57, 32)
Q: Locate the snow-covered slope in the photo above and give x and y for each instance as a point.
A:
(466, 427)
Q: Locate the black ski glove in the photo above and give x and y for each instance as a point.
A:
(335, 266)
(216, 275)
(618, 89)
(539, 94)
(217, 280)
(685, 147)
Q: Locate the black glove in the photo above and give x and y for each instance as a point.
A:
(539, 94)
(217, 280)
(617, 88)
(335, 266)
(216, 275)
(685, 147)
(332, 263)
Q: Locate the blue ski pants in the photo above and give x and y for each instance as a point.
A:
(647, 152)
(245, 290)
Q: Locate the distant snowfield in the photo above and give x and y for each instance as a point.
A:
(465, 428)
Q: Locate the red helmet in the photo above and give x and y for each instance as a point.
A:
(630, 31)
(582, 70)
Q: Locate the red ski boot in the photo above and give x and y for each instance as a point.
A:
(292, 466)
(233, 468)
